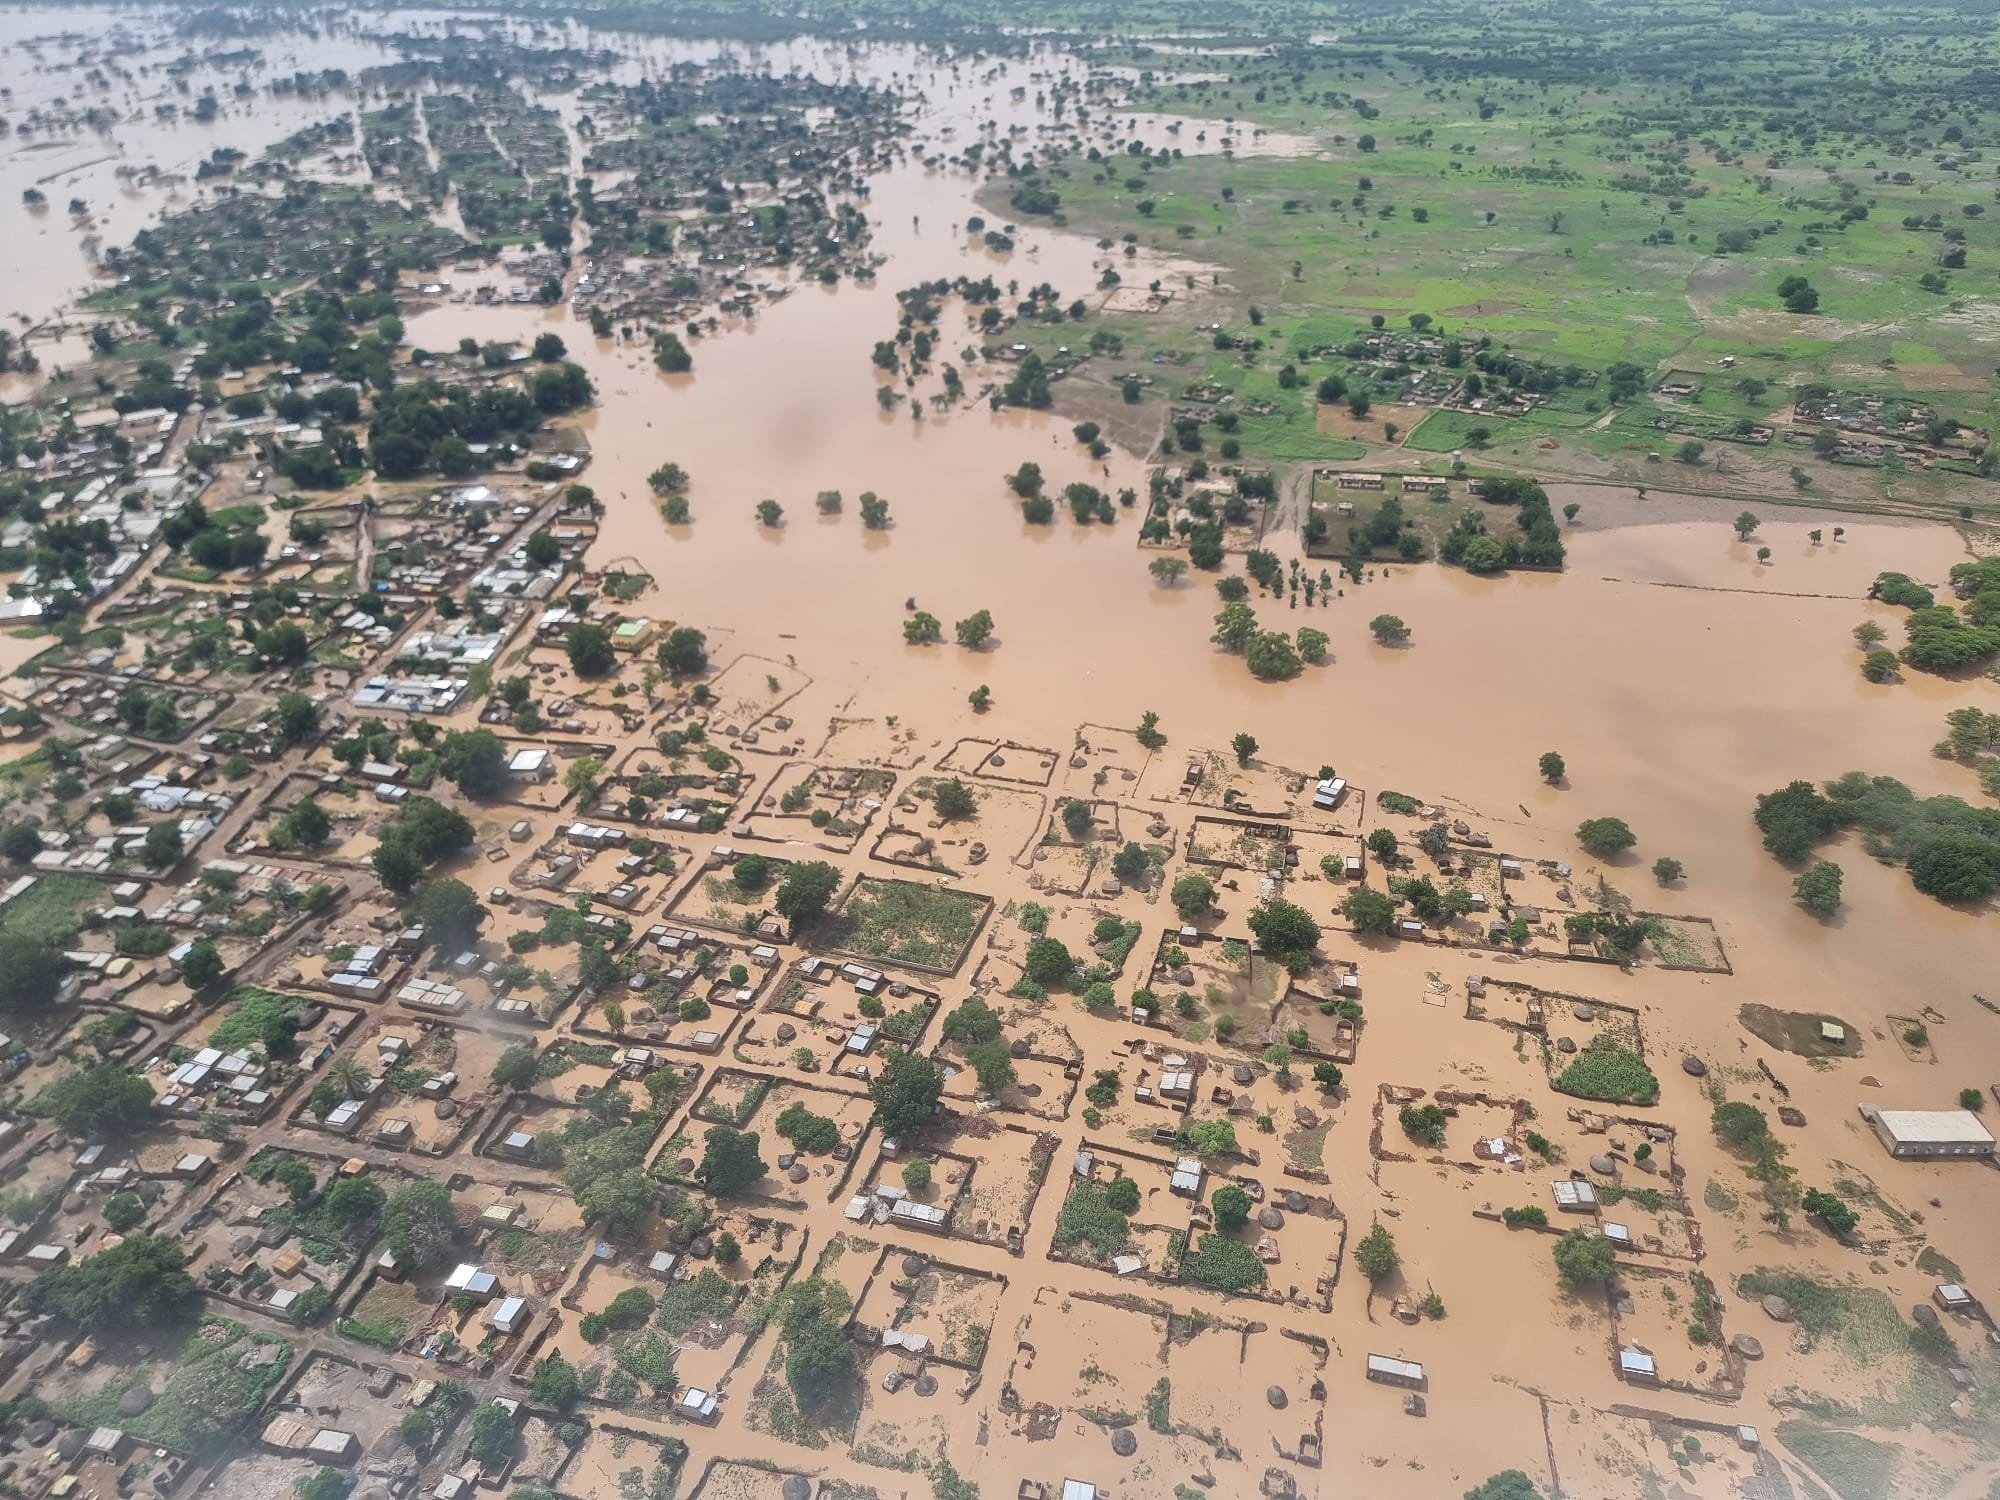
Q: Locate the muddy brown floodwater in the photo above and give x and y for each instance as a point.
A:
(1676, 675)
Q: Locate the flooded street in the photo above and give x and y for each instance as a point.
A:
(1677, 676)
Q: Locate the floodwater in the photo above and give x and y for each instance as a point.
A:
(1678, 676)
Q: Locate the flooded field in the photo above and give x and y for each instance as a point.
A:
(1679, 665)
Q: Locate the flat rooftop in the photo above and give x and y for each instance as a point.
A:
(1936, 1125)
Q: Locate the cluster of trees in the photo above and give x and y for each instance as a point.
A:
(1539, 544)
(430, 427)
(228, 540)
(1941, 638)
(423, 832)
(1950, 848)
(1272, 655)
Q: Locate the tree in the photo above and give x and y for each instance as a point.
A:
(1422, 1123)
(492, 1435)
(419, 1224)
(1666, 870)
(1690, 452)
(1368, 910)
(581, 777)
(1272, 657)
(1794, 818)
(670, 354)
(1584, 1260)
(298, 718)
(623, 1198)
(993, 1063)
(1122, 1195)
(34, 966)
(975, 630)
(1211, 1137)
(804, 892)
(1077, 818)
(21, 842)
(283, 644)
(1232, 1208)
(1327, 1075)
(1049, 963)
(954, 799)
(517, 1067)
(1130, 863)
(684, 652)
(102, 1098)
(449, 913)
(1552, 766)
(1148, 733)
(304, 827)
(202, 965)
(1377, 1256)
(1192, 896)
(133, 1289)
(476, 759)
(819, 1357)
(1508, 1484)
(1167, 571)
(162, 845)
(874, 511)
(1311, 644)
(906, 1093)
(1287, 931)
(555, 1382)
(1956, 867)
(1818, 889)
(1245, 746)
(1831, 1211)
(1388, 630)
(1746, 526)
(397, 865)
(1235, 627)
(922, 628)
(730, 1161)
(972, 1020)
(769, 513)
(1604, 837)
(1382, 844)
(668, 479)
(1971, 1099)
(590, 650)
(543, 549)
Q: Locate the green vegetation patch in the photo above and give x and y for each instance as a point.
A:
(1857, 1468)
(1610, 1070)
(900, 922)
(216, 1376)
(1089, 1227)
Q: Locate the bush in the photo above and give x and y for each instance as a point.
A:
(1584, 1259)
(808, 1131)
(1423, 1124)
(1376, 1254)
(1532, 1215)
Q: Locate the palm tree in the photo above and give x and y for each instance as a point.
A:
(347, 1075)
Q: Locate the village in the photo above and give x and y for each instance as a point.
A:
(534, 1035)
(500, 997)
